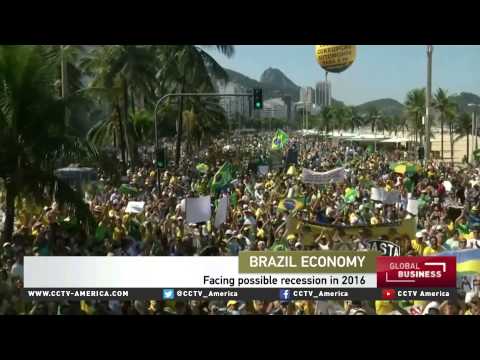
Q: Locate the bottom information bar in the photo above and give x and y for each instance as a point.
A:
(283, 294)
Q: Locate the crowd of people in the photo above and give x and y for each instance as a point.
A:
(448, 205)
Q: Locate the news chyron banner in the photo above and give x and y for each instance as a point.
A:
(292, 275)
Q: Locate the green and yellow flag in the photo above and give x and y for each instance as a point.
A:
(223, 177)
(290, 204)
(279, 140)
(350, 195)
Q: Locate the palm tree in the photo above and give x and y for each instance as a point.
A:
(123, 71)
(463, 128)
(326, 115)
(372, 118)
(444, 106)
(105, 87)
(339, 117)
(32, 128)
(354, 118)
(415, 103)
(204, 117)
(402, 123)
(452, 120)
(191, 68)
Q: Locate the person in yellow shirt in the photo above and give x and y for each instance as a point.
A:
(434, 247)
(417, 244)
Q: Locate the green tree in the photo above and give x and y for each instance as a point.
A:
(353, 118)
(32, 129)
(189, 68)
(124, 71)
(327, 117)
(444, 106)
(106, 89)
(451, 120)
(372, 118)
(415, 103)
(204, 119)
(463, 128)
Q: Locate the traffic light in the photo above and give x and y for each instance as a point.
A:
(257, 99)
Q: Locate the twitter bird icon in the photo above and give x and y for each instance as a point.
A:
(168, 294)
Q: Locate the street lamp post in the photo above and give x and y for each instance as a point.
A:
(427, 104)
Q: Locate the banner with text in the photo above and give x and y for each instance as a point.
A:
(322, 178)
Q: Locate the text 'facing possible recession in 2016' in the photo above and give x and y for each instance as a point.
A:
(308, 262)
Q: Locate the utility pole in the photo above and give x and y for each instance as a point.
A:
(428, 100)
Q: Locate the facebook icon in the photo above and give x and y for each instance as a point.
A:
(284, 294)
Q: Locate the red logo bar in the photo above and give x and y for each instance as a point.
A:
(421, 271)
(388, 294)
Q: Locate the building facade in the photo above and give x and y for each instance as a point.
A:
(323, 94)
(275, 108)
(234, 106)
(307, 95)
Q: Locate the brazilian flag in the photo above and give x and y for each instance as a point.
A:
(351, 195)
(222, 178)
(279, 140)
(279, 245)
(292, 204)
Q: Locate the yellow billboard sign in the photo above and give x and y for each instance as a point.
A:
(335, 58)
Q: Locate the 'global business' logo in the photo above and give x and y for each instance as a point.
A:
(421, 271)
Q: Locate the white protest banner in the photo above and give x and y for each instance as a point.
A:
(376, 194)
(391, 197)
(221, 214)
(135, 207)
(386, 197)
(318, 178)
(448, 186)
(412, 207)
(262, 170)
(198, 209)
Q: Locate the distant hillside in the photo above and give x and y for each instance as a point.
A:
(280, 84)
(273, 82)
(389, 107)
(463, 99)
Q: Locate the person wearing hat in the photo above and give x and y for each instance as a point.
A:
(418, 244)
(298, 246)
(292, 240)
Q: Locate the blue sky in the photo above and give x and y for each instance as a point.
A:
(380, 71)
